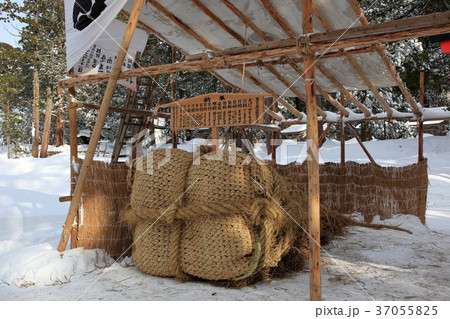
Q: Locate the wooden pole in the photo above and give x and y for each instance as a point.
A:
(47, 124)
(315, 284)
(59, 134)
(215, 139)
(361, 144)
(342, 134)
(420, 133)
(174, 98)
(422, 89)
(147, 113)
(73, 142)
(114, 77)
(324, 133)
(419, 120)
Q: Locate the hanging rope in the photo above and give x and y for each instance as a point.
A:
(243, 65)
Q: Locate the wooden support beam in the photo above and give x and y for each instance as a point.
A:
(328, 27)
(273, 114)
(315, 284)
(218, 21)
(417, 23)
(123, 111)
(369, 84)
(163, 94)
(323, 21)
(322, 92)
(240, 39)
(279, 19)
(292, 88)
(160, 36)
(363, 36)
(278, 98)
(400, 83)
(324, 133)
(361, 143)
(63, 199)
(336, 83)
(181, 24)
(406, 117)
(73, 142)
(266, 128)
(247, 143)
(247, 22)
(367, 35)
(114, 77)
(356, 67)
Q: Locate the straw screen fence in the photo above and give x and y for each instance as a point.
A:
(365, 188)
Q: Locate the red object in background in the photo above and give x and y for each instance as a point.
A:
(445, 47)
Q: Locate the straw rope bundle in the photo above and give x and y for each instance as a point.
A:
(223, 217)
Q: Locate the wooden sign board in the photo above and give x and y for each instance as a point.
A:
(217, 110)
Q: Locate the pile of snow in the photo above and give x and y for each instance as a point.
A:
(42, 265)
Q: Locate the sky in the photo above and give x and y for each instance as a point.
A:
(8, 30)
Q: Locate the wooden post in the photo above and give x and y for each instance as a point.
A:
(420, 133)
(59, 131)
(47, 124)
(76, 197)
(73, 142)
(315, 284)
(215, 139)
(422, 89)
(342, 136)
(419, 120)
(174, 98)
(324, 133)
(268, 101)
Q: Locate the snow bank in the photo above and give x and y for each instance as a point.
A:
(42, 265)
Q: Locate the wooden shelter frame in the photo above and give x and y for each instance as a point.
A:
(313, 48)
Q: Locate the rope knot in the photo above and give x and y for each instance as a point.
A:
(304, 46)
(206, 61)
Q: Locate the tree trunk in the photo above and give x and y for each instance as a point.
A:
(35, 124)
(47, 123)
(59, 134)
(365, 132)
(8, 128)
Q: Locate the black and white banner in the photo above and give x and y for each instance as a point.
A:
(101, 56)
(93, 37)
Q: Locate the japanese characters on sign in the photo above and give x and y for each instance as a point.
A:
(217, 110)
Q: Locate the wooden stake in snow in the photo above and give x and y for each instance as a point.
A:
(76, 197)
(420, 120)
(47, 123)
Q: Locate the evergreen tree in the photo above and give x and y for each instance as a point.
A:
(10, 83)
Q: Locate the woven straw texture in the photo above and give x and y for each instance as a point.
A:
(229, 218)
(99, 216)
(367, 188)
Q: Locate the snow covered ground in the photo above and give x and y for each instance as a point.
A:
(365, 264)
